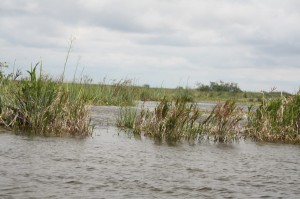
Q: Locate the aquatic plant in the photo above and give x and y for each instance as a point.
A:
(174, 121)
(42, 106)
(276, 120)
(223, 123)
(127, 118)
(170, 121)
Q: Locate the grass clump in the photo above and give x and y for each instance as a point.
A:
(276, 120)
(174, 121)
(223, 123)
(170, 121)
(38, 105)
(127, 118)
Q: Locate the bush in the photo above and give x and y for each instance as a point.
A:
(219, 87)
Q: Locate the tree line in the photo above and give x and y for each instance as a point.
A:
(219, 87)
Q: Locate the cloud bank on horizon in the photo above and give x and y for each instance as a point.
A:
(158, 42)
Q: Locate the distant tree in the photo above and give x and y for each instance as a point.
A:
(203, 87)
(219, 86)
(146, 86)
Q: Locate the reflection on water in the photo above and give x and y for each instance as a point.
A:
(113, 165)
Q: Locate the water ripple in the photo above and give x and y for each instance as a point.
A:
(112, 165)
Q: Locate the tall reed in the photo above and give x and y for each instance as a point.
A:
(174, 121)
(170, 121)
(127, 118)
(276, 120)
(223, 123)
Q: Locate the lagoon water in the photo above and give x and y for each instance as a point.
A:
(113, 165)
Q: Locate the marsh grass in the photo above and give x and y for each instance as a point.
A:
(115, 93)
(184, 94)
(276, 120)
(170, 121)
(127, 118)
(224, 122)
(125, 93)
(173, 121)
(39, 105)
(146, 93)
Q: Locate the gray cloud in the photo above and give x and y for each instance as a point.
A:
(241, 41)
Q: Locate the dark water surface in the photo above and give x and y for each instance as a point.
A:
(113, 165)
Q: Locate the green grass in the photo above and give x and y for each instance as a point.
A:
(39, 105)
(127, 118)
(118, 93)
(276, 120)
(126, 93)
(224, 122)
(173, 121)
(170, 121)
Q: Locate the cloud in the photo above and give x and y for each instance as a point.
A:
(159, 40)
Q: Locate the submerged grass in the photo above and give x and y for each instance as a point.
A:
(38, 105)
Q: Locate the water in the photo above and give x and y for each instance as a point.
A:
(113, 165)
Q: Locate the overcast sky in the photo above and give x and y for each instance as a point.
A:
(169, 43)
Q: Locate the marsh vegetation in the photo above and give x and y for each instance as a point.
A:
(36, 104)
(276, 120)
(173, 121)
(273, 120)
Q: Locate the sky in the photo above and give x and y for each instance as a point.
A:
(162, 43)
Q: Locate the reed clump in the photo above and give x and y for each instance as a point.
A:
(174, 121)
(38, 105)
(224, 122)
(127, 118)
(170, 121)
(276, 120)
